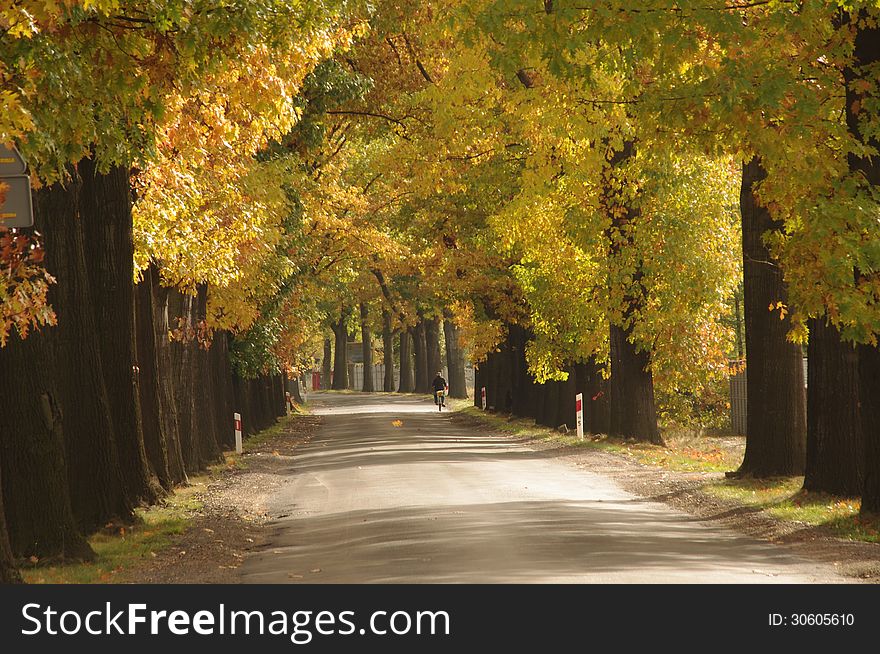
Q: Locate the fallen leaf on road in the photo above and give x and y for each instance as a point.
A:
(315, 570)
(293, 576)
(397, 423)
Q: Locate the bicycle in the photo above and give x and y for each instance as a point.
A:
(440, 399)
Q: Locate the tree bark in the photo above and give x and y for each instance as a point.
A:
(205, 387)
(407, 381)
(340, 359)
(327, 365)
(181, 314)
(454, 358)
(776, 424)
(8, 572)
(432, 343)
(866, 168)
(387, 352)
(155, 441)
(38, 513)
(166, 377)
(105, 211)
(367, 344)
(594, 387)
(423, 380)
(633, 411)
(835, 449)
(94, 476)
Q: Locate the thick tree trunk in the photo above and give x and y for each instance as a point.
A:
(432, 343)
(8, 572)
(550, 405)
(633, 412)
(454, 359)
(166, 377)
(367, 344)
(776, 424)
(39, 517)
(205, 387)
(94, 474)
(594, 387)
(181, 314)
(522, 383)
(155, 441)
(423, 378)
(105, 212)
(340, 358)
(866, 55)
(224, 402)
(387, 352)
(327, 365)
(407, 381)
(835, 449)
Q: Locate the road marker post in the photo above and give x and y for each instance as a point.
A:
(579, 410)
(483, 397)
(236, 419)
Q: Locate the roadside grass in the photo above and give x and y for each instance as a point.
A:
(118, 548)
(784, 498)
(687, 451)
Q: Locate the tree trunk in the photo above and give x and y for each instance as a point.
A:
(166, 377)
(407, 382)
(633, 412)
(367, 344)
(594, 387)
(8, 572)
(105, 212)
(205, 387)
(387, 352)
(835, 449)
(221, 372)
(340, 359)
(327, 365)
(94, 475)
(866, 168)
(479, 382)
(423, 379)
(454, 359)
(776, 424)
(38, 513)
(181, 315)
(432, 343)
(155, 441)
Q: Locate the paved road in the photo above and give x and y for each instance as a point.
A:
(433, 501)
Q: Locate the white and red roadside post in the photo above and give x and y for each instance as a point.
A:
(483, 397)
(236, 419)
(579, 410)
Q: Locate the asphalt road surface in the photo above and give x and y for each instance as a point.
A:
(392, 491)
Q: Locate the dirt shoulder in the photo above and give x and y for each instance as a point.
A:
(685, 491)
(231, 519)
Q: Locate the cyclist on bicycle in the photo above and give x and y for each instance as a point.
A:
(439, 384)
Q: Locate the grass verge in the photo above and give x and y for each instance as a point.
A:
(119, 548)
(784, 498)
